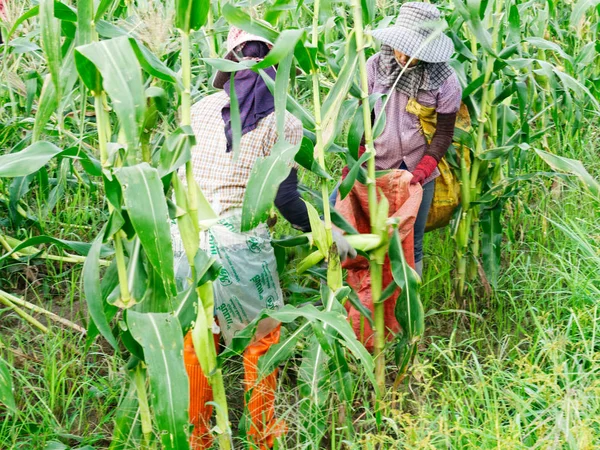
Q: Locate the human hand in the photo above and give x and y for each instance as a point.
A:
(423, 170)
(345, 250)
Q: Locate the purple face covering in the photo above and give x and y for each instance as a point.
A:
(254, 98)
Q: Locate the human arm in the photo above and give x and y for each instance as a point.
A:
(290, 204)
(448, 104)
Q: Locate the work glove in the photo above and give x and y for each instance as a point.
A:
(424, 169)
(345, 250)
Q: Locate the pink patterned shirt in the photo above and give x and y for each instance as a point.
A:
(402, 139)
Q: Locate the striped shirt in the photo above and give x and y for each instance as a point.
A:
(222, 179)
(402, 139)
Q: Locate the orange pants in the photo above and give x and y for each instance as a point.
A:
(264, 427)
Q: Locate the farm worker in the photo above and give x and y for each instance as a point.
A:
(412, 67)
(223, 180)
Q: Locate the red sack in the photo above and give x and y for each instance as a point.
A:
(404, 200)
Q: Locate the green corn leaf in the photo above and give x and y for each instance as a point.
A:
(343, 380)
(491, 242)
(191, 15)
(160, 336)
(85, 22)
(108, 30)
(265, 178)
(176, 151)
(237, 17)
(283, 48)
(151, 64)
(93, 291)
(46, 107)
(334, 320)
(282, 81)
(409, 310)
(81, 248)
(88, 73)
(127, 432)
(122, 80)
(543, 44)
(225, 65)
(26, 16)
(306, 158)
(30, 160)
(360, 307)
(147, 209)
(337, 219)
(185, 306)
(348, 182)
(313, 373)
(49, 101)
(319, 235)
(103, 7)
(6, 389)
(306, 55)
(333, 101)
(281, 351)
(50, 30)
(368, 11)
(187, 229)
(573, 167)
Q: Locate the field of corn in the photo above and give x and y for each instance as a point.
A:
(500, 340)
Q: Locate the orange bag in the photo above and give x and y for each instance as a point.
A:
(264, 427)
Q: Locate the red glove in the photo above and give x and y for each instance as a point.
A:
(425, 168)
(361, 151)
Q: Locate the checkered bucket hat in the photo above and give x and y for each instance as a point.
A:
(417, 33)
(235, 41)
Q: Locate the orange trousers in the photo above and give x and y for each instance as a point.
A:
(264, 427)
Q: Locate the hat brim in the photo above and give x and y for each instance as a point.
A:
(437, 50)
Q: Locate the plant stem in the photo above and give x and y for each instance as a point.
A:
(103, 133)
(208, 361)
(145, 417)
(186, 120)
(319, 150)
(376, 266)
(101, 125)
(38, 309)
(5, 301)
(186, 75)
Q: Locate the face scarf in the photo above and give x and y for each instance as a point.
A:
(424, 76)
(254, 97)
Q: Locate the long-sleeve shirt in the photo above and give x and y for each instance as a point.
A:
(222, 179)
(402, 139)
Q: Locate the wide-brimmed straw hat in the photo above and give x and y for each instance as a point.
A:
(417, 33)
(235, 38)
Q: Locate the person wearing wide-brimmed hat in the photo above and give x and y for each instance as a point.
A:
(412, 65)
(412, 69)
(223, 179)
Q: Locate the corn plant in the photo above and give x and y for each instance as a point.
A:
(508, 82)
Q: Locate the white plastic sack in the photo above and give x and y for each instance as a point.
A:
(248, 281)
